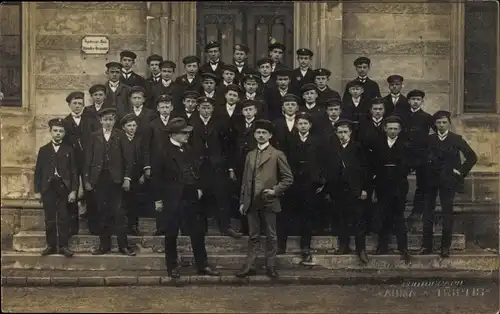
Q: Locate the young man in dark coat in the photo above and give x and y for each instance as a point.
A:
(128, 76)
(190, 80)
(311, 106)
(214, 64)
(276, 52)
(392, 158)
(284, 126)
(395, 103)
(107, 171)
(144, 115)
(273, 95)
(229, 75)
(78, 129)
(346, 172)
(371, 88)
(264, 66)
(166, 86)
(250, 83)
(418, 125)
(98, 102)
(177, 191)
(321, 77)
(154, 62)
(116, 91)
(211, 139)
(446, 173)
(240, 60)
(356, 105)
(211, 89)
(56, 183)
(306, 162)
(303, 74)
(188, 112)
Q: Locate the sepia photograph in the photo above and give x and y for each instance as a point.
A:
(250, 156)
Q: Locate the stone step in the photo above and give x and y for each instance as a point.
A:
(156, 261)
(34, 241)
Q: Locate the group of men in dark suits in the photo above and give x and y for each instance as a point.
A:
(296, 152)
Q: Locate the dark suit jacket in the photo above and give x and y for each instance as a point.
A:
(273, 97)
(306, 161)
(182, 114)
(154, 141)
(118, 99)
(271, 83)
(143, 119)
(326, 94)
(78, 136)
(371, 89)
(120, 155)
(92, 112)
(167, 182)
(46, 163)
(400, 108)
(135, 147)
(417, 126)
(272, 172)
(158, 89)
(134, 80)
(239, 75)
(444, 156)
(298, 79)
(262, 109)
(184, 84)
(281, 134)
(212, 141)
(353, 113)
(243, 142)
(207, 68)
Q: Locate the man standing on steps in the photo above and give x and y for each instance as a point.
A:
(178, 192)
(445, 176)
(266, 177)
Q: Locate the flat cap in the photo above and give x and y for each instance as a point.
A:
(113, 64)
(290, 97)
(127, 54)
(393, 119)
(212, 44)
(304, 52)
(233, 87)
(177, 125)
(251, 76)
(136, 89)
(106, 111)
(190, 59)
(248, 102)
(56, 122)
(441, 114)
(168, 64)
(308, 87)
(415, 93)
(74, 95)
(204, 99)
(208, 75)
(163, 98)
(264, 61)
(276, 46)
(362, 60)
(376, 100)
(303, 115)
(264, 124)
(354, 83)
(342, 122)
(127, 118)
(333, 102)
(395, 78)
(229, 67)
(241, 47)
(321, 72)
(154, 58)
(192, 94)
(96, 88)
(283, 72)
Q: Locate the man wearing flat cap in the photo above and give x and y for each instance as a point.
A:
(190, 80)
(321, 77)
(189, 109)
(229, 75)
(303, 74)
(251, 91)
(154, 62)
(166, 86)
(210, 87)
(240, 60)
(228, 110)
(266, 176)
(276, 52)
(371, 88)
(128, 76)
(274, 94)
(446, 174)
(392, 163)
(396, 103)
(56, 183)
(355, 105)
(214, 64)
(78, 128)
(116, 91)
(97, 101)
(107, 171)
(178, 190)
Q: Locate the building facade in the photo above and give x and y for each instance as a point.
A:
(448, 49)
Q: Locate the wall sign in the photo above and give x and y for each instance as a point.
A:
(95, 45)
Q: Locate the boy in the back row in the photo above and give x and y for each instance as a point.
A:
(371, 88)
(56, 182)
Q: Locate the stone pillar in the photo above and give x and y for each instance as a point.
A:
(153, 28)
(318, 26)
(457, 52)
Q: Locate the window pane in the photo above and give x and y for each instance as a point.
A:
(480, 56)
(10, 53)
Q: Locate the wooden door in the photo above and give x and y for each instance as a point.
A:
(252, 23)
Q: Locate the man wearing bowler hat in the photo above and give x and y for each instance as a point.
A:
(178, 191)
(266, 176)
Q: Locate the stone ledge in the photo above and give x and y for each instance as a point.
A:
(92, 5)
(403, 47)
(398, 8)
(74, 42)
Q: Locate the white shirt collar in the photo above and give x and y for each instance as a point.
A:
(303, 137)
(164, 119)
(226, 83)
(98, 106)
(166, 83)
(283, 92)
(265, 79)
(263, 146)
(391, 141)
(322, 90)
(304, 72)
(251, 96)
(175, 142)
(346, 143)
(310, 106)
(418, 109)
(356, 100)
(239, 64)
(443, 136)
(138, 110)
(210, 95)
(205, 120)
(129, 137)
(115, 84)
(333, 121)
(249, 121)
(377, 120)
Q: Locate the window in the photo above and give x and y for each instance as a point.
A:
(10, 54)
(481, 36)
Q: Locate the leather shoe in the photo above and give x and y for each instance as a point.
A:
(424, 251)
(100, 251)
(174, 273)
(271, 272)
(127, 251)
(207, 271)
(363, 257)
(66, 251)
(246, 272)
(49, 250)
(445, 253)
(307, 259)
